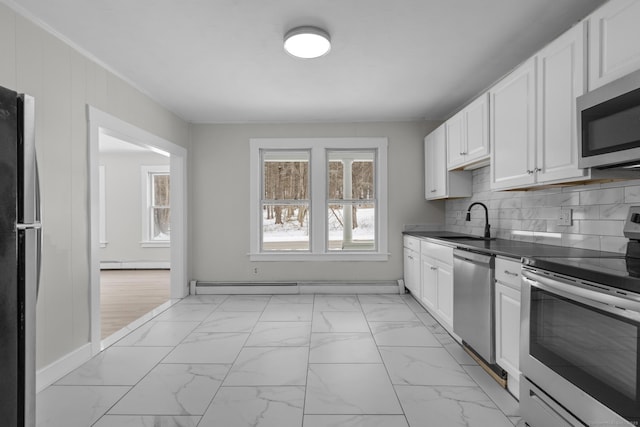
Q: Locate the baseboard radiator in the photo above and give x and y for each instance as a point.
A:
(198, 287)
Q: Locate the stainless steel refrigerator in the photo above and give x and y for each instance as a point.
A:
(20, 258)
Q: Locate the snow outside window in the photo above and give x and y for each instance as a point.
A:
(318, 198)
(156, 210)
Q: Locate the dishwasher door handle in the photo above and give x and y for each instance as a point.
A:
(475, 257)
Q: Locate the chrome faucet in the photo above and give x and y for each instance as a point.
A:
(487, 233)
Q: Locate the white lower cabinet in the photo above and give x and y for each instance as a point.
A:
(437, 282)
(429, 283)
(412, 265)
(507, 317)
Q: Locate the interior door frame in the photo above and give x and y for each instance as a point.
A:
(100, 121)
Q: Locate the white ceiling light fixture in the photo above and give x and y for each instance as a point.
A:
(307, 42)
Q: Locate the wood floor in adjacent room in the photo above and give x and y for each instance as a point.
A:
(126, 295)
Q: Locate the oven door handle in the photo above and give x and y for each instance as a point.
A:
(610, 303)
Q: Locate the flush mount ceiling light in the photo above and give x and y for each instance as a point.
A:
(307, 42)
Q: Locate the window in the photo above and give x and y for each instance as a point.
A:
(318, 198)
(156, 212)
(285, 200)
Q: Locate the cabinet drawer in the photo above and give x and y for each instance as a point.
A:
(440, 252)
(412, 243)
(508, 272)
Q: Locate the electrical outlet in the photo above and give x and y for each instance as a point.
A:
(458, 214)
(566, 216)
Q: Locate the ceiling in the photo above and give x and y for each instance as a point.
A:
(221, 61)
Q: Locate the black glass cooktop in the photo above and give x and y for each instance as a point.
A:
(619, 272)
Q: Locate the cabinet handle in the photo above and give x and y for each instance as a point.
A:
(529, 172)
(433, 268)
(434, 190)
(537, 170)
(508, 273)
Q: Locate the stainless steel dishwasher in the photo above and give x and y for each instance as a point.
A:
(473, 292)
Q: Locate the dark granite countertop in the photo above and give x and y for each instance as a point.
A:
(509, 248)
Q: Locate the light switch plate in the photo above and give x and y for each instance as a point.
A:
(566, 216)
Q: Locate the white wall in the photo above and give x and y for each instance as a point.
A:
(220, 204)
(124, 195)
(63, 82)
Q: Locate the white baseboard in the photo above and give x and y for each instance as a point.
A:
(311, 287)
(135, 265)
(61, 367)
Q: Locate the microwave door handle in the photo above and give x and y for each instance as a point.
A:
(609, 303)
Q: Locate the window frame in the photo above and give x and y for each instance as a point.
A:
(318, 182)
(147, 173)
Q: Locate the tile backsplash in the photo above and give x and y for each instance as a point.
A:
(599, 212)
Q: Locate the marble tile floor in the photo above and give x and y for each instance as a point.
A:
(282, 361)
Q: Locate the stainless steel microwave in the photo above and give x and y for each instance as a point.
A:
(609, 124)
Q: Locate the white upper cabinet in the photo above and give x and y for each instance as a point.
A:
(512, 123)
(561, 79)
(439, 183)
(533, 117)
(435, 181)
(456, 148)
(468, 135)
(614, 47)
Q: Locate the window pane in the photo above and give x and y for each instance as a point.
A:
(161, 190)
(360, 170)
(161, 229)
(352, 227)
(285, 175)
(285, 227)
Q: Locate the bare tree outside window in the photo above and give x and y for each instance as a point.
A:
(160, 210)
(351, 200)
(285, 200)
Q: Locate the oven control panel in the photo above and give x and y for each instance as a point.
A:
(632, 226)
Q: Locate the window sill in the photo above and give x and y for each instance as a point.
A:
(351, 256)
(150, 244)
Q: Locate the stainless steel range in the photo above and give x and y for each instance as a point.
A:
(580, 338)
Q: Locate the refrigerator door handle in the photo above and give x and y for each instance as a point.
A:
(38, 259)
(38, 228)
(38, 207)
(34, 226)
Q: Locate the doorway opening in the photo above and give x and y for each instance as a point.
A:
(138, 226)
(135, 232)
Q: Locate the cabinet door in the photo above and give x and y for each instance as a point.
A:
(429, 160)
(614, 50)
(429, 295)
(412, 272)
(435, 164)
(507, 314)
(445, 295)
(456, 149)
(561, 71)
(477, 129)
(512, 105)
